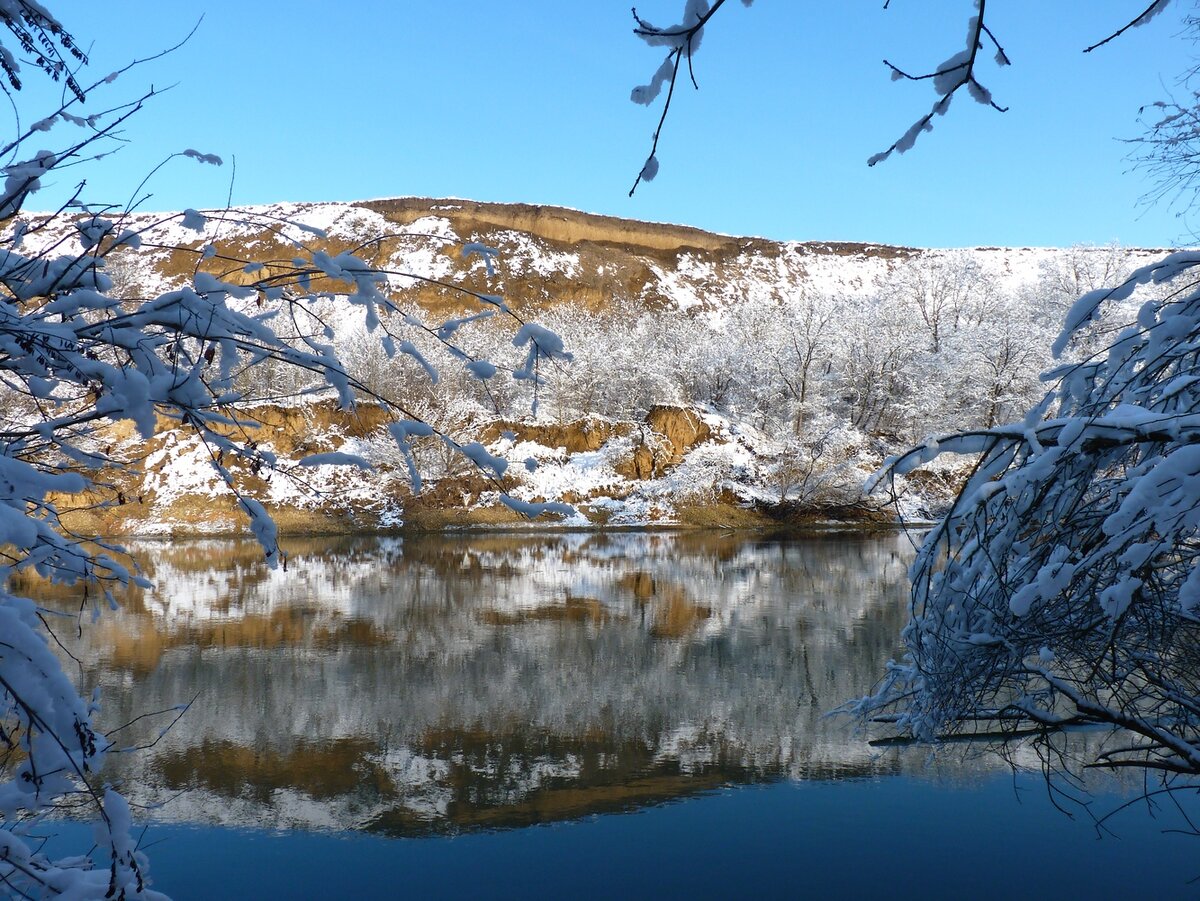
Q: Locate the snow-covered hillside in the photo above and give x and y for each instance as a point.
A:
(707, 374)
(551, 255)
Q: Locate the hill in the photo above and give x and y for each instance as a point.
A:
(715, 380)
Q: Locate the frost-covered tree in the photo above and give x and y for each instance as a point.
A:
(79, 350)
(1064, 586)
(944, 293)
(787, 348)
(876, 365)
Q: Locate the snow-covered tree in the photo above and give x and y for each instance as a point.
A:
(1064, 587)
(80, 349)
(876, 363)
(787, 346)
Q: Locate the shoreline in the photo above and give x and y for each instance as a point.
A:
(534, 530)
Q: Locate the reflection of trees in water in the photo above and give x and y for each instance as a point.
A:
(458, 682)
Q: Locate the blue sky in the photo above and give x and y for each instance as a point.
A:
(527, 100)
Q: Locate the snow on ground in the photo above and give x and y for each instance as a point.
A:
(558, 473)
(181, 467)
(524, 255)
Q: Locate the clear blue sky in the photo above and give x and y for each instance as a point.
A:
(527, 100)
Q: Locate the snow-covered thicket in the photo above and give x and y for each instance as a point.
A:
(935, 345)
(1063, 586)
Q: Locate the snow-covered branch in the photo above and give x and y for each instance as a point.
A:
(957, 72)
(683, 40)
(1066, 578)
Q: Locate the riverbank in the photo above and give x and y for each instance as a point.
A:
(676, 468)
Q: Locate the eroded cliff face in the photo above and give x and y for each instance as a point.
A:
(548, 255)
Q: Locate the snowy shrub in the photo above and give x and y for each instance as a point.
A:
(822, 467)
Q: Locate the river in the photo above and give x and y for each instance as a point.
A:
(567, 715)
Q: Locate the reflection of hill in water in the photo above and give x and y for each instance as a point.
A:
(450, 683)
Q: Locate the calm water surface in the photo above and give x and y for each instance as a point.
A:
(635, 715)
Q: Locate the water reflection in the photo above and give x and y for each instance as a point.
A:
(441, 684)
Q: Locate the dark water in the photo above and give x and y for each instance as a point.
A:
(568, 716)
